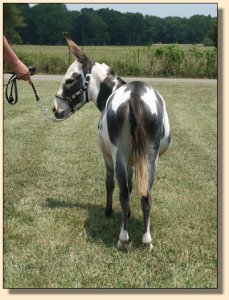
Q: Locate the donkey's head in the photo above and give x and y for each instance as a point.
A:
(73, 93)
(84, 80)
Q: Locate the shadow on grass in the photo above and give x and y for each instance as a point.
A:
(100, 228)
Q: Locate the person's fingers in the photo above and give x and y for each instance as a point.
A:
(24, 76)
(22, 71)
(29, 78)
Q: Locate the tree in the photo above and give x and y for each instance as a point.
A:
(116, 25)
(49, 21)
(135, 27)
(43, 23)
(213, 32)
(174, 30)
(74, 21)
(153, 28)
(26, 32)
(12, 21)
(198, 28)
(92, 29)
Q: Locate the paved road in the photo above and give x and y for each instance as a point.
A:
(156, 80)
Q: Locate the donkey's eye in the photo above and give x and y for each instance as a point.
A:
(69, 81)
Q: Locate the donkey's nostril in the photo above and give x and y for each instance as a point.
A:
(58, 114)
(55, 112)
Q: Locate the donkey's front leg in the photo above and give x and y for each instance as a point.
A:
(109, 186)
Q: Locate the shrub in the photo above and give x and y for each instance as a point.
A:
(211, 63)
(172, 57)
(152, 61)
(208, 42)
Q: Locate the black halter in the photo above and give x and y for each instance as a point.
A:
(73, 101)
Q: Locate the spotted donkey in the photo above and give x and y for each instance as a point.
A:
(133, 129)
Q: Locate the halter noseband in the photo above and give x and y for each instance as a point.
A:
(70, 100)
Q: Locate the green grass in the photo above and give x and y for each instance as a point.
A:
(55, 232)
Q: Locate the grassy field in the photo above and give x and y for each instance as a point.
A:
(189, 61)
(55, 232)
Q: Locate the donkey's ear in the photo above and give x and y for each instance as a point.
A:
(75, 49)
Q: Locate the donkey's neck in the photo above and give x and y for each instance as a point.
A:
(106, 85)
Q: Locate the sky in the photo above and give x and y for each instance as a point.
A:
(160, 10)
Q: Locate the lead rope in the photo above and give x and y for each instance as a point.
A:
(12, 98)
(44, 110)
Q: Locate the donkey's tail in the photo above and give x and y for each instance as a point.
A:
(140, 145)
(141, 161)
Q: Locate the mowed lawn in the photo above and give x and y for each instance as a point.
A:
(56, 234)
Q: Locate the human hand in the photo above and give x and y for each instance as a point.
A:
(22, 71)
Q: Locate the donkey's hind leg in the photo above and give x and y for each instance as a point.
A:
(130, 184)
(146, 206)
(124, 196)
(146, 201)
(109, 186)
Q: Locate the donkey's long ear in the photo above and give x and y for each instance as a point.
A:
(75, 49)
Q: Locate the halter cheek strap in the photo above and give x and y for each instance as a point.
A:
(87, 77)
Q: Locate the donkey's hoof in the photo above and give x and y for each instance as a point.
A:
(122, 244)
(149, 246)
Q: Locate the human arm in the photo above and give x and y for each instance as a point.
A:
(17, 65)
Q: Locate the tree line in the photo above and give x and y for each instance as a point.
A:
(42, 24)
